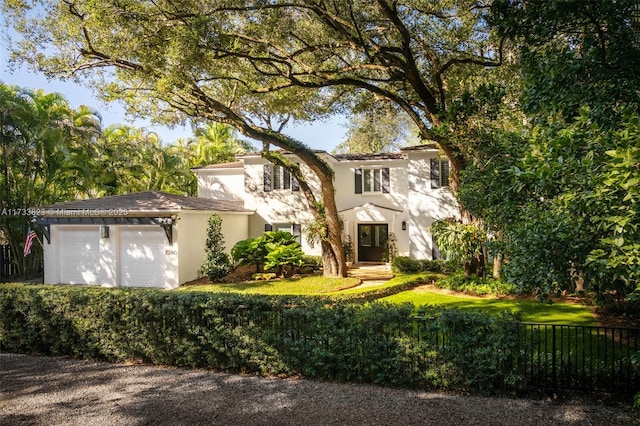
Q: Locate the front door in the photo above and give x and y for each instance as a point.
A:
(372, 242)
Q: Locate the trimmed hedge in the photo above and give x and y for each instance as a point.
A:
(409, 265)
(314, 337)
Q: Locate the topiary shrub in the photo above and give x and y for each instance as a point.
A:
(217, 264)
(406, 265)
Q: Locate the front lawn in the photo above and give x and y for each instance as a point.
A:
(531, 310)
(401, 290)
(307, 286)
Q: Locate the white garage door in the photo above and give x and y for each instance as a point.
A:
(142, 257)
(80, 255)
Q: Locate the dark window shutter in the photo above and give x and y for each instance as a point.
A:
(358, 181)
(277, 177)
(297, 230)
(386, 187)
(267, 177)
(295, 185)
(444, 171)
(435, 173)
(268, 227)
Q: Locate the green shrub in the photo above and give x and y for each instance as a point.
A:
(475, 286)
(217, 264)
(283, 258)
(256, 251)
(314, 262)
(473, 351)
(314, 337)
(408, 265)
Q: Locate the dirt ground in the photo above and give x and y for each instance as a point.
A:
(50, 390)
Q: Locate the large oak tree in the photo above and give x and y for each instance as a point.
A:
(256, 64)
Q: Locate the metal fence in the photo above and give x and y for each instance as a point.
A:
(8, 268)
(579, 357)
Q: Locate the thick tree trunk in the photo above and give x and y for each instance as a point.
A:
(497, 266)
(330, 256)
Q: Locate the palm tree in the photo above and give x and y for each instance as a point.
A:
(42, 140)
(216, 143)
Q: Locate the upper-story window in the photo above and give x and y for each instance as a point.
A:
(372, 180)
(278, 178)
(439, 173)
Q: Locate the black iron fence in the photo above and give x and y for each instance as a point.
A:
(579, 357)
(8, 267)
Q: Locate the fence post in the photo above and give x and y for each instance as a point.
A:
(553, 356)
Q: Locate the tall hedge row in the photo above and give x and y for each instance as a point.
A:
(314, 337)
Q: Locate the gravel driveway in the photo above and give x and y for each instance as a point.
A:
(57, 391)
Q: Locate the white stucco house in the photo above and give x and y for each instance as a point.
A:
(154, 239)
(376, 194)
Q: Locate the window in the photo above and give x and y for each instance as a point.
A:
(372, 180)
(278, 178)
(294, 228)
(439, 173)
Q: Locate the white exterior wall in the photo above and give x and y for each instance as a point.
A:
(410, 200)
(425, 204)
(278, 206)
(221, 184)
(387, 208)
(191, 235)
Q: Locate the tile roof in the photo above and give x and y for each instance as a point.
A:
(143, 202)
(379, 156)
(234, 165)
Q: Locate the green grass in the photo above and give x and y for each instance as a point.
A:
(307, 286)
(399, 290)
(398, 283)
(530, 310)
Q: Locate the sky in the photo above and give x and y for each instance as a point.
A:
(324, 135)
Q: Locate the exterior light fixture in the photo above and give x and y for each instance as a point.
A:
(404, 225)
(104, 231)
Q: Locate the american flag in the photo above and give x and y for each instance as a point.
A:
(31, 235)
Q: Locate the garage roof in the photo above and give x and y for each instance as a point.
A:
(141, 203)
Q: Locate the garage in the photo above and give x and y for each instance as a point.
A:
(81, 247)
(142, 256)
(145, 239)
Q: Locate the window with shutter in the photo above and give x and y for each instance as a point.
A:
(278, 178)
(372, 180)
(439, 173)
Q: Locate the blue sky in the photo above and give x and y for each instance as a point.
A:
(323, 135)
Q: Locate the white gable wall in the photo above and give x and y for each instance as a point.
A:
(221, 184)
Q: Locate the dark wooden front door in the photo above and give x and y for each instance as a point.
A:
(372, 242)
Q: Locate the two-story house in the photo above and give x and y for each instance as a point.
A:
(377, 195)
(156, 239)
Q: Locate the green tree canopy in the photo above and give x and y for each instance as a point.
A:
(45, 147)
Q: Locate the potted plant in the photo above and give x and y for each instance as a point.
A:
(391, 250)
(347, 246)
